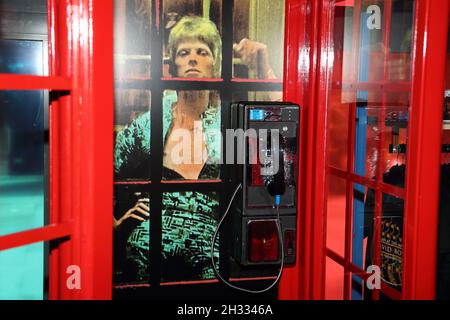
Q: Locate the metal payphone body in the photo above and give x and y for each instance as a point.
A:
(255, 235)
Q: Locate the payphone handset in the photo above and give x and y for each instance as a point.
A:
(272, 162)
(264, 202)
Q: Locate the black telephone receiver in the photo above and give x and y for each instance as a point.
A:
(276, 185)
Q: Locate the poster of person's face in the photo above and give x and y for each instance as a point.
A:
(192, 45)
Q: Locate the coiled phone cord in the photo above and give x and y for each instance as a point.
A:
(280, 238)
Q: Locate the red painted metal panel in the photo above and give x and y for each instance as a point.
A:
(316, 163)
(82, 178)
(92, 144)
(423, 159)
(295, 44)
(36, 235)
(28, 82)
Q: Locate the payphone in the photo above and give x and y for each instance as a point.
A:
(262, 145)
(267, 167)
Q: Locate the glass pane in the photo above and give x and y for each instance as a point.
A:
(132, 39)
(370, 82)
(258, 37)
(21, 57)
(381, 146)
(336, 206)
(390, 231)
(22, 273)
(192, 45)
(131, 236)
(334, 278)
(192, 135)
(443, 259)
(339, 114)
(132, 134)
(401, 40)
(23, 18)
(22, 160)
(189, 220)
(359, 240)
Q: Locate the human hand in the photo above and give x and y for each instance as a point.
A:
(256, 56)
(139, 213)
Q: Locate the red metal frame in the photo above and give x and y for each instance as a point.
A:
(81, 147)
(84, 151)
(307, 47)
(424, 150)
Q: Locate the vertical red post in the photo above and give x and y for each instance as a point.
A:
(294, 43)
(81, 36)
(424, 149)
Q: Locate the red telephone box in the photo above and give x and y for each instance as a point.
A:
(369, 76)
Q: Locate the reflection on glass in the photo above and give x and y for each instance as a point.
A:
(189, 220)
(391, 231)
(258, 37)
(192, 136)
(336, 206)
(132, 139)
(392, 134)
(132, 38)
(192, 40)
(131, 236)
(334, 277)
(402, 22)
(370, 83)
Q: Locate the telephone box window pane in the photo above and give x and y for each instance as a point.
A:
(21, 57)
(391, 237)
(334, 278)
(132, 134)
(339, 113)
(192, 136)
(22, 273)
(24, 17)
(192, 30)
(443, 246)
(131, 236)
(336, 206)
(258, 37)
(132, 39)
(22, 160)
(381, 146)
(189, 220)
